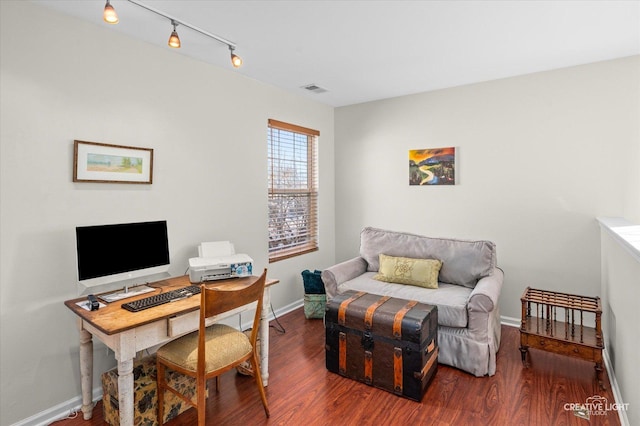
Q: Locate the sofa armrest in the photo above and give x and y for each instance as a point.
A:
(485, 295)
(345, 271)
(484, 314)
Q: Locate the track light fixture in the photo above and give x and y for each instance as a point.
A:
(174, 40)
(111, 17)
(236, 60)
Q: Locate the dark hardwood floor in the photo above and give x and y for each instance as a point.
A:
(302, 392)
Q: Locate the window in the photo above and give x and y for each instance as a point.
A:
(293, 190)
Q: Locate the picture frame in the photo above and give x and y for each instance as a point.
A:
(432, 166)
(106, 163)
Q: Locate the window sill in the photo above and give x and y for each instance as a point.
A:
(290, 254)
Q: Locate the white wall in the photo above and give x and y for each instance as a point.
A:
(620, 295)
(63, 79)
(540, 157)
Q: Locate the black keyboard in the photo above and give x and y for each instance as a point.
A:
(161, 298)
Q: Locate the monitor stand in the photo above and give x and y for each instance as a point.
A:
(126, 293)
(120, 286)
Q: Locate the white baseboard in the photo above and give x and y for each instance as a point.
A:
(624, 419)
(286, 309)
(67, 409)
(511, 322)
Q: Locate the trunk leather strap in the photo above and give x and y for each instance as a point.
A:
(368, 316)
(397, 370)
(342, 353)
(420, 374)
(342, 310)
(368, 367)
(368, 354)
(397, 320)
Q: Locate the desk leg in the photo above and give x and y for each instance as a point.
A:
(264, 337)
(125, 392)
(86, 372)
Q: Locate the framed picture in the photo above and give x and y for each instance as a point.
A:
(432, 166)
(101, 162)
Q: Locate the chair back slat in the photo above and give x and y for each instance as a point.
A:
(219, 300)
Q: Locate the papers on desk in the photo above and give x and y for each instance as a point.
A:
(87, 306)
(216, 249)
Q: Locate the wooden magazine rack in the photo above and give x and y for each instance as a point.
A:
(554, 322)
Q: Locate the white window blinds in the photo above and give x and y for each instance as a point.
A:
(293, 190)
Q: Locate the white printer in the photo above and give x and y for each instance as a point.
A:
(218, 260)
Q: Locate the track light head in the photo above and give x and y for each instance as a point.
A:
(109, 15)
(236, 60)
(174, 40)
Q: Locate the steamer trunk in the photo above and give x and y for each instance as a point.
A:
(385, 342)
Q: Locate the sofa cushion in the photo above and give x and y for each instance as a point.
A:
(463, 262)
(406, 270)
(450, 299)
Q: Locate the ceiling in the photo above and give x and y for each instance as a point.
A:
(361, 51)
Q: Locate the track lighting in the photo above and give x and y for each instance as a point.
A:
(110, 16)
(174, 40)
(236, 60)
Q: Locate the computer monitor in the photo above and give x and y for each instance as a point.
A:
(124, 253)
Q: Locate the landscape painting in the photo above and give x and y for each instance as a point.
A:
(113, 163)
(432, 166)
(101, 162)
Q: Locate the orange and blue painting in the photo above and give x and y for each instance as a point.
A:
(433, 166)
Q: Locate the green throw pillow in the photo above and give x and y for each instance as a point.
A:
(406, 270)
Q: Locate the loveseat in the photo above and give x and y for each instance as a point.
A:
(468, 288)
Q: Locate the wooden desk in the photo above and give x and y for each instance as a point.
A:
(127, 333)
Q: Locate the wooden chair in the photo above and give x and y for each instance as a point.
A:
(212, 350)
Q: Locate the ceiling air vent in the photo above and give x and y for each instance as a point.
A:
(314, 88)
